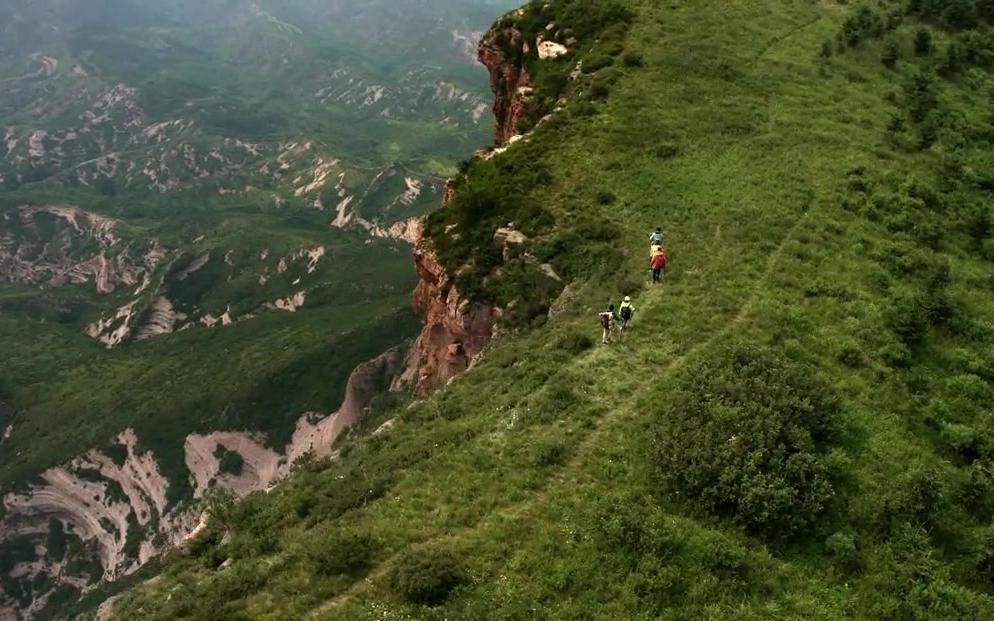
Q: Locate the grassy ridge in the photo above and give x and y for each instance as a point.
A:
(803, 223)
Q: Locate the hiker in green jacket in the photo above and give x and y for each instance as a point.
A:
(626, 312)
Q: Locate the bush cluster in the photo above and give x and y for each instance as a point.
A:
(426, 576)
(954, 14)
(342, 554)
(743, 437)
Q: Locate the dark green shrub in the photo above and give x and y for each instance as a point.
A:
(978, 224)
(596, 63)
(426, 576)
(725, 559)
(118, 453)
(552, 83)
(600, 90)
(895, 124)
(841, 546)
(923, 42)
(606, 197)
(575, 343)
(976, 493)
(55, 543)
(665, 150)
(826, 50)
(960, 14)
(229, 462)
(918, 497)
(583, 108)
(851, 356)
(524, 125)
(891, 53)
(105, 185)
(240, 580)
(861, 25)
(983, 553)
(920, 96)
(632, 60)
(337, 553)
(908, 317)
(985, 10)
(954, 59)
(928, 132)
(601, 85)
(743, 437)
(961, 439)
(608, 18)
(938, 303)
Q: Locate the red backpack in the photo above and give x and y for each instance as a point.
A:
(606, 320)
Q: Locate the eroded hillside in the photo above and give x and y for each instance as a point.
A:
(206, 218)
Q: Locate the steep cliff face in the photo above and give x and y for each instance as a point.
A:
(457, 329)
(509, 80)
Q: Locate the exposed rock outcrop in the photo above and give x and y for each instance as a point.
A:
(509, 81)
(81, 247)
(316, 436)
(98, 499)
(455, 329)
(116, 502)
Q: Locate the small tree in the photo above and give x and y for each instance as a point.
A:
(826, 51)
(891, 53)
(921, 97)
(220, 508)
(953, 62)
(923, 42)
(960, 14)
(985, 10)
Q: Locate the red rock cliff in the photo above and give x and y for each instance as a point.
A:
(455, 329)
(509, 81)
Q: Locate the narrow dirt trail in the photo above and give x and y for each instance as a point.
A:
(610, 423)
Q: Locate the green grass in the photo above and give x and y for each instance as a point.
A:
(796, 222)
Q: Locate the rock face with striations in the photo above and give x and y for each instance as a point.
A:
(457, 329)
(509, 80)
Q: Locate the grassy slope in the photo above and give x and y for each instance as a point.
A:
(543, 488)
